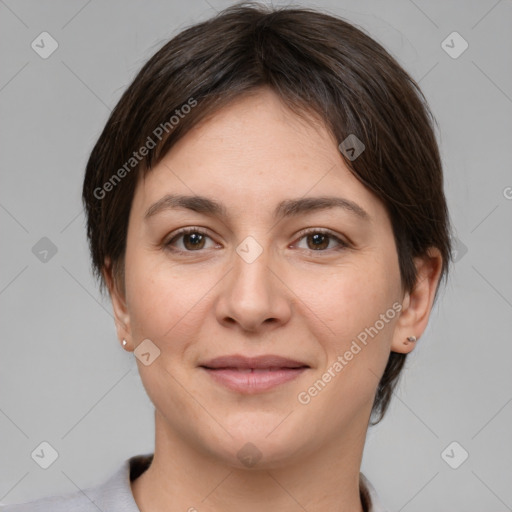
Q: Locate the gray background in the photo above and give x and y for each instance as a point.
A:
(64, 378)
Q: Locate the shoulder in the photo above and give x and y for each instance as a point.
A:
(112, 495)
(76, 501)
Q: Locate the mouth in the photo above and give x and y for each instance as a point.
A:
(253, 374)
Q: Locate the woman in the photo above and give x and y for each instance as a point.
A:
(266, 209)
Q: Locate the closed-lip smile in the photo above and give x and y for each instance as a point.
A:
(253, 374)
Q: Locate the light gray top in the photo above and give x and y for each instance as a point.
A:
(115, 494)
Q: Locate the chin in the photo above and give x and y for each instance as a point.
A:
(259, 446)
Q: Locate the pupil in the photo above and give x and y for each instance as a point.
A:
(194, 239)
(319, 240)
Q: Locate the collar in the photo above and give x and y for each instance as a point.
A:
(116, 491)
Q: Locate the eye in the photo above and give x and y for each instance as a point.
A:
(321, 240)
(193, 239)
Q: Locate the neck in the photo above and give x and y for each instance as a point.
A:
(182, 478)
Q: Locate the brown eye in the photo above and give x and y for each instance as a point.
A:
(193, 241)
(318, 241)
(323, 241)
(188, 240)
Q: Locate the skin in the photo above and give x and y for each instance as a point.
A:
(293, 301)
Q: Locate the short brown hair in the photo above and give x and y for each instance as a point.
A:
(318, 64)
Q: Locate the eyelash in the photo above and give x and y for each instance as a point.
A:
(187, 231)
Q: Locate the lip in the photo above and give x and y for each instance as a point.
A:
(253, 374)
(258, 362)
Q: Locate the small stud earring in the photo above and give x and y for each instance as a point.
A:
(125, 343)
(411, 338)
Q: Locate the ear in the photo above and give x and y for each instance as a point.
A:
(416, 305)
(117, 296)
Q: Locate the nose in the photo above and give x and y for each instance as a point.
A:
(254, 297)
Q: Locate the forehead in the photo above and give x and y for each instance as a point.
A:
(255, 152)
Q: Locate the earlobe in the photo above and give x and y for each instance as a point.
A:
(405, 345)
(417, 304)
(121, 316)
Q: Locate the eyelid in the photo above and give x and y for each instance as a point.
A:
(186, 231)
(342, 244)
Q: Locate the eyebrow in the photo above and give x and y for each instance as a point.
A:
(286, 208)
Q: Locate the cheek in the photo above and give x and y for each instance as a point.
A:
(164, 300)
(347, 299)
(360, 310)
(360, 307)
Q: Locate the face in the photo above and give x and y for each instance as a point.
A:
(264, 269)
